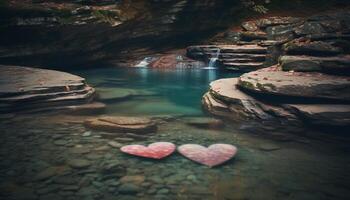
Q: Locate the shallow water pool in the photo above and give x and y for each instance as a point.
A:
(143, 91)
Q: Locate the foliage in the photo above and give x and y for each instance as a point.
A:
(256, 6)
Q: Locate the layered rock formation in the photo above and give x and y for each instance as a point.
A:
(309, 85)
(232, 57)
(25, 89)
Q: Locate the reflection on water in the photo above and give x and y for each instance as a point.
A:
(153, 91)
(54, 156)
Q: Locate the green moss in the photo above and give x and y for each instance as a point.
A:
(105, 15)
(246, 84)
(263, 87)
(260, 86)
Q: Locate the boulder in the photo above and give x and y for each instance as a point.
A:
(272, 81)
(121, 124)
(336, 65)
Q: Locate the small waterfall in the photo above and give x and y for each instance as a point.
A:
(212, 61)
(145, 62)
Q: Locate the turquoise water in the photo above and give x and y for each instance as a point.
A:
(142, 91)
(37, 151)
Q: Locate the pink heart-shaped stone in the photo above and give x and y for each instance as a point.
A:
(156, 150)
(214, 155)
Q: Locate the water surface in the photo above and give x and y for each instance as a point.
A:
(272, 164)
(143, 91)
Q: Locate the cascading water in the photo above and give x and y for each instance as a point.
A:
(212, 61)
(145, 62)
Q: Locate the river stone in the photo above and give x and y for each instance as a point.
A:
(47, 173)
(122, 124)
(336, 64)
(296, 84)
(129, 188)
(115, 144)
(268, 147)
(204, 122)
(60, 142)
(135, 179)
(79, 163)
(80, 150)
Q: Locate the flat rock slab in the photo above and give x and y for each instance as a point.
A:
(16, 80)
(24, 89)
(226, 100)
(336, 64)
(296, 84)
(122, 124)
(313, 48)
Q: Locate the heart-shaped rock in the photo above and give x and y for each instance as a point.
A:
(156, 150)
(214, 155)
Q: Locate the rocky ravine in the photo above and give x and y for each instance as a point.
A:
(25, 89)
(309, 84)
